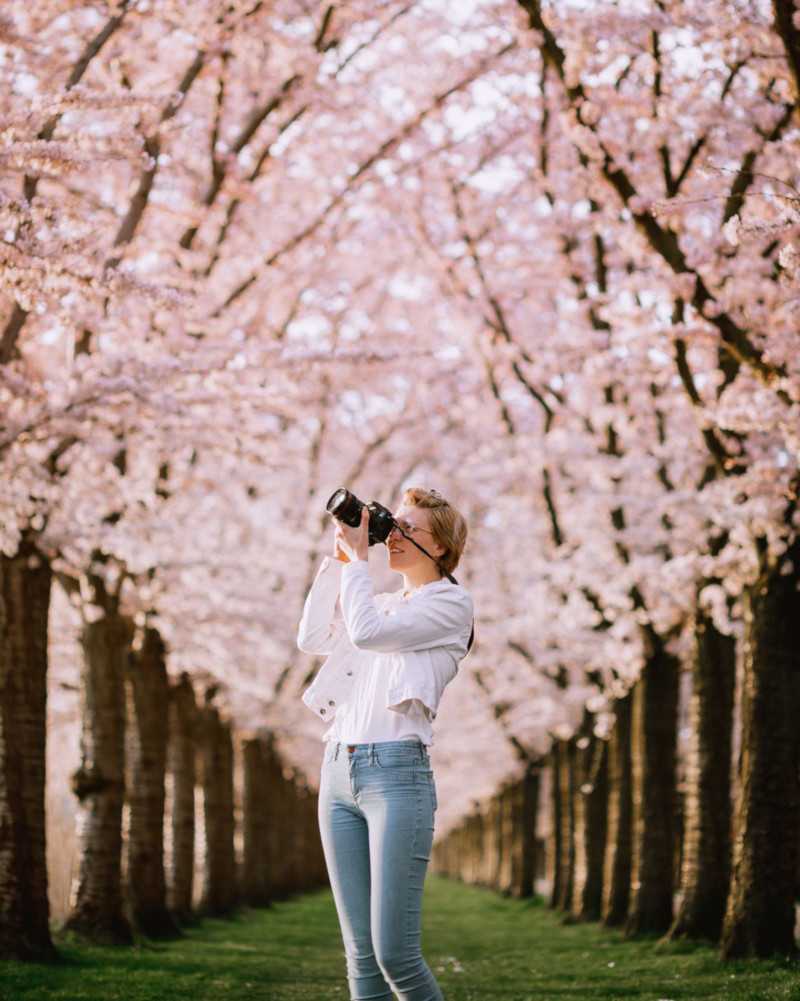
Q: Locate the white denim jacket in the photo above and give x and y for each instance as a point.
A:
(419, 640)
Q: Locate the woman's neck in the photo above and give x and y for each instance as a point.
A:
(419, 576)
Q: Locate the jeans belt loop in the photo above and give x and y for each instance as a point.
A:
(336, 752)
(372, 754)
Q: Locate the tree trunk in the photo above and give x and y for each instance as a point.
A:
(523, 844)
(24, 604)
(554, 839)
(182, 757)
(705, 874)
(302, 799)
(489, 834)
(292, 847)
(257, 810)
(274, 784)
(505, 808)
(496, 855)
(147, 890)
(475, 863)
(468, 851)
(654, 738)
(219, 889)
(565, 777)
(311, 840)
(591, 802)
(760, 916)
(530, 813)
(617, 863)
(99, 783)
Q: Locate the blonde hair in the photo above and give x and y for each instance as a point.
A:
(448, 526)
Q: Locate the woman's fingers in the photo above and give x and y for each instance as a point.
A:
(353, 540)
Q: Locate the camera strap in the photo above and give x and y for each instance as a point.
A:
(444, 572)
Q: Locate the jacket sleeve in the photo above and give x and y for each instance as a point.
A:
(439, 619)
(319, 627)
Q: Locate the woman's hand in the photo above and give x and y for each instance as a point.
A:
(352, 543)
(339, 553)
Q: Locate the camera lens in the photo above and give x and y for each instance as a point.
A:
(337, 498)
(345, 506)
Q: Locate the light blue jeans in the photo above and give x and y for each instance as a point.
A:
(376, 808)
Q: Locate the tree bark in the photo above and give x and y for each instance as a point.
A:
(315, 863)
(489, 845)
(476, 865)
(147, 890)
(256, 863)
(292, 846)
(654, 738)
(24, 604)
(565, 784)
(99, 783)
(760, 916)
(705, 874)
(505, 808)
(496, 853)
(182, 757)
(591, 802)
(469, 851)
(530, 811)
(554, 839)
(301, 797)
(617, 863)
(220, 893)
(523, 845)
(274, 785)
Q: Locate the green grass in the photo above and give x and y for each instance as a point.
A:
(481, 946)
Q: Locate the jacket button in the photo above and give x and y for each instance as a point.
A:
(349, 674)
(331, 702)
(322, 712)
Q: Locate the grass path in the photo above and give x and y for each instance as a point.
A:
(481, 946)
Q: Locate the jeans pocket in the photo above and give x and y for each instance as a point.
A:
(390, 758)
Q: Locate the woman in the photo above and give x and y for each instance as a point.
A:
(391, 656)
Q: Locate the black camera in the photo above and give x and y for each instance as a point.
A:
(347, 508)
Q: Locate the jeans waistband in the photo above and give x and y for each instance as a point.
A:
(418, 749)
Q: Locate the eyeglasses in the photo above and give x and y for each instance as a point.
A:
(409, 529)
